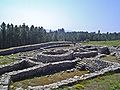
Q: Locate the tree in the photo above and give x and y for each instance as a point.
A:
(3, 34)
(11, 35)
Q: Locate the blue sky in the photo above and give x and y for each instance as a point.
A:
(72, 15)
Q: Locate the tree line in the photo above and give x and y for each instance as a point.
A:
(13, 35)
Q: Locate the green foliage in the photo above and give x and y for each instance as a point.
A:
(11, 35)
(79, 86)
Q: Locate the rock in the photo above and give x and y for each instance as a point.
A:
(104, 50)
(118, 54)
(92, 49)
(100, 55)
(2, 87)
(20, 88)
(68, 71)
(113, 53)
(86, 54)
(5, 79)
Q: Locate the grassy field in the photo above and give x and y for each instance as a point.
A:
(103, 43)
(44, 80)
(7, 59)
(110, 81)
(111, 58)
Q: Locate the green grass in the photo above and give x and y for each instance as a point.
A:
(103, 43)
(44, 80)
(7, 59)
(111, 58)
(108, 82)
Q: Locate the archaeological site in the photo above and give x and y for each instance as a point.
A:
(48, 59)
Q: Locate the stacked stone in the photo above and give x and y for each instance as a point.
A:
(55, 52)
(104, 50)
(31, 47)
(115, 51)
(55, 46)
(46, 58)
(18, 65)
(86, 54)
(112, 67)
(44, 69)
(5, 82)
(92, 64)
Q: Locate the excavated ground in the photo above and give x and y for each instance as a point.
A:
(54, 72)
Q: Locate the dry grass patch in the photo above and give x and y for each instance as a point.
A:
(111, 58)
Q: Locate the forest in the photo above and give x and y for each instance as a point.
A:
(14, 35)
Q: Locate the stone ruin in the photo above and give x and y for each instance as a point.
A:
(55, 56)
(50, 59)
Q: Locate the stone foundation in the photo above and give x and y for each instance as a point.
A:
(46, 58)
(112, 67)
(55, 60)
(104, 50)
(40, 70)
(31, 47)
(92, 64)
(19, 65)
(86, 54)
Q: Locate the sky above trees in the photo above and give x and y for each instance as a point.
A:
(72, 15)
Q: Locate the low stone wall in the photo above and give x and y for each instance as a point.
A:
(98, 67)
(77, 49)
(18, 65)
(85, 46)
(40, 70)
(31, 47)
(92, 49)
(5, 82)
(116, 51)
(113, 49)
(104, 50)
(45, 58)
(86, 54)
(55, 46)
(55, 52)
(111, 68)
(92, 64)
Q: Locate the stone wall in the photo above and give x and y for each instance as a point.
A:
(75, 79)
(92, 64)
(31, 47)
(98, 67)
(5, 82)
(18, 65)
(55, 46)
(115, 51)
(86, 54)
(37, 70)
(104, 50)
(44, 69)
(45, 58)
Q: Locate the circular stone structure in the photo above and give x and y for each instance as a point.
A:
(55, 56)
